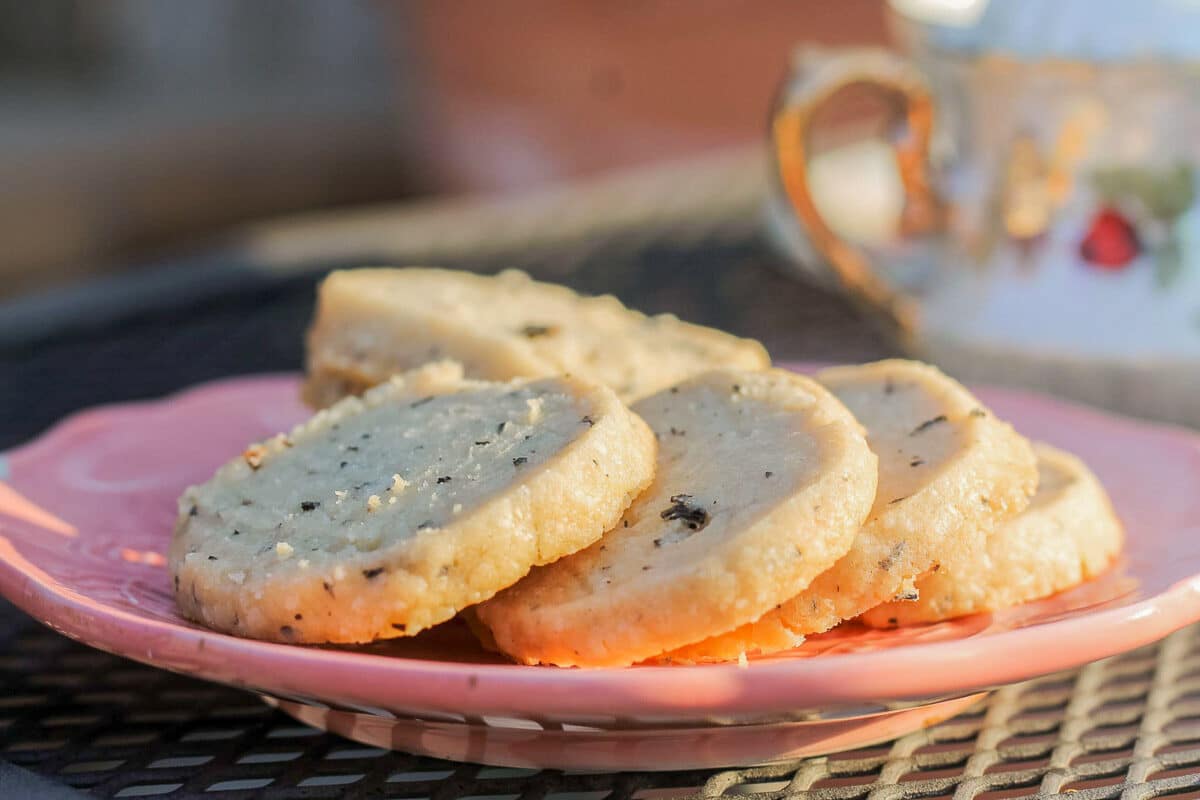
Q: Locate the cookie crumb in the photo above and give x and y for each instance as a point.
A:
(283, 550)
(535, 409)
(373, 503)
(253, 455)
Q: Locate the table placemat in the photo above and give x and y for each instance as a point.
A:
(1125, 727)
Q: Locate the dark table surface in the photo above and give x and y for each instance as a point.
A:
(74, 717)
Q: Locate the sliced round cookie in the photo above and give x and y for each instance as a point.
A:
(372, 323)
(949, 471)
(384, 515)
(763, 479)
(1069, 534)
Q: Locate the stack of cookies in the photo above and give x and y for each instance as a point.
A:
(589, 486)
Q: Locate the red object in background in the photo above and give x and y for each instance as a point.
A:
(532, 92)
(1111, 242)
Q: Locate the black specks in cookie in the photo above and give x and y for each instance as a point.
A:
(677, 431)
(500, 428)
(421, 402)
(400, 626)
(193, 511)
(586, 419)
(929, 423)
(694, 517)
(327, 586)
(888, 561)
(373, 572)
(444, 479)
(768, 474)
(534, 331)
(212, 558)
(893, 501)
(916, 461)
(889, 386)
(519, 460)
(978, 412)
(426, 525)
(287, 632)
(309, 505)
(483, 442)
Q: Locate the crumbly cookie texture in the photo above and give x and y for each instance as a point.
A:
(386, 514)
(949, 472)
(763, 479)
(372, 323)
(1069, 534)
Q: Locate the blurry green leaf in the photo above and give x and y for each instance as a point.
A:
(1113, 183)
(1173, 193)
(1165, 194)
(1168, 260)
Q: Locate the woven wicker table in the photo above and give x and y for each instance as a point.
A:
(682, 240)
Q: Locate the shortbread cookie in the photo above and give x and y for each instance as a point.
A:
(763, 480)
(949, 471)
(372, 323)
(1069, 534)
(384, 515)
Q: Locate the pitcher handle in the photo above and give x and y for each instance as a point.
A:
(815, 83)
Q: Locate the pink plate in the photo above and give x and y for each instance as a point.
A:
(86, 513)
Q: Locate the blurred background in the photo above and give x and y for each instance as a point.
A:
(1005, 188)
(131, 128)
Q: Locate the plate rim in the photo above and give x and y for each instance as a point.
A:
(913, 671)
